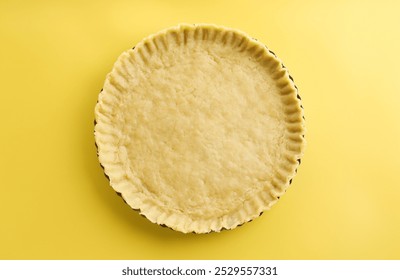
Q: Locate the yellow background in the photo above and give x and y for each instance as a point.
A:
(55, 202)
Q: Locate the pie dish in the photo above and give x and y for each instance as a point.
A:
(200, 128)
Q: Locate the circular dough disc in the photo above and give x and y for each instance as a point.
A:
(200, 128)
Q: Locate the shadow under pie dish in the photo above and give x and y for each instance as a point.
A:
(199, 127)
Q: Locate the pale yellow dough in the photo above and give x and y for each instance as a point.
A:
(199, 128)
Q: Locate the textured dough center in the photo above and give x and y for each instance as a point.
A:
(204, 131)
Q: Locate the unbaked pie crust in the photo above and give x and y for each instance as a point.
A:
(200, 128)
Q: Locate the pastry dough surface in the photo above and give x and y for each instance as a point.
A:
(196, 128)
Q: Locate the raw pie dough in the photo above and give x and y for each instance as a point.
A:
(199, 128)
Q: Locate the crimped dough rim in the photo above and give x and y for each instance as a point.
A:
(107, 139)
